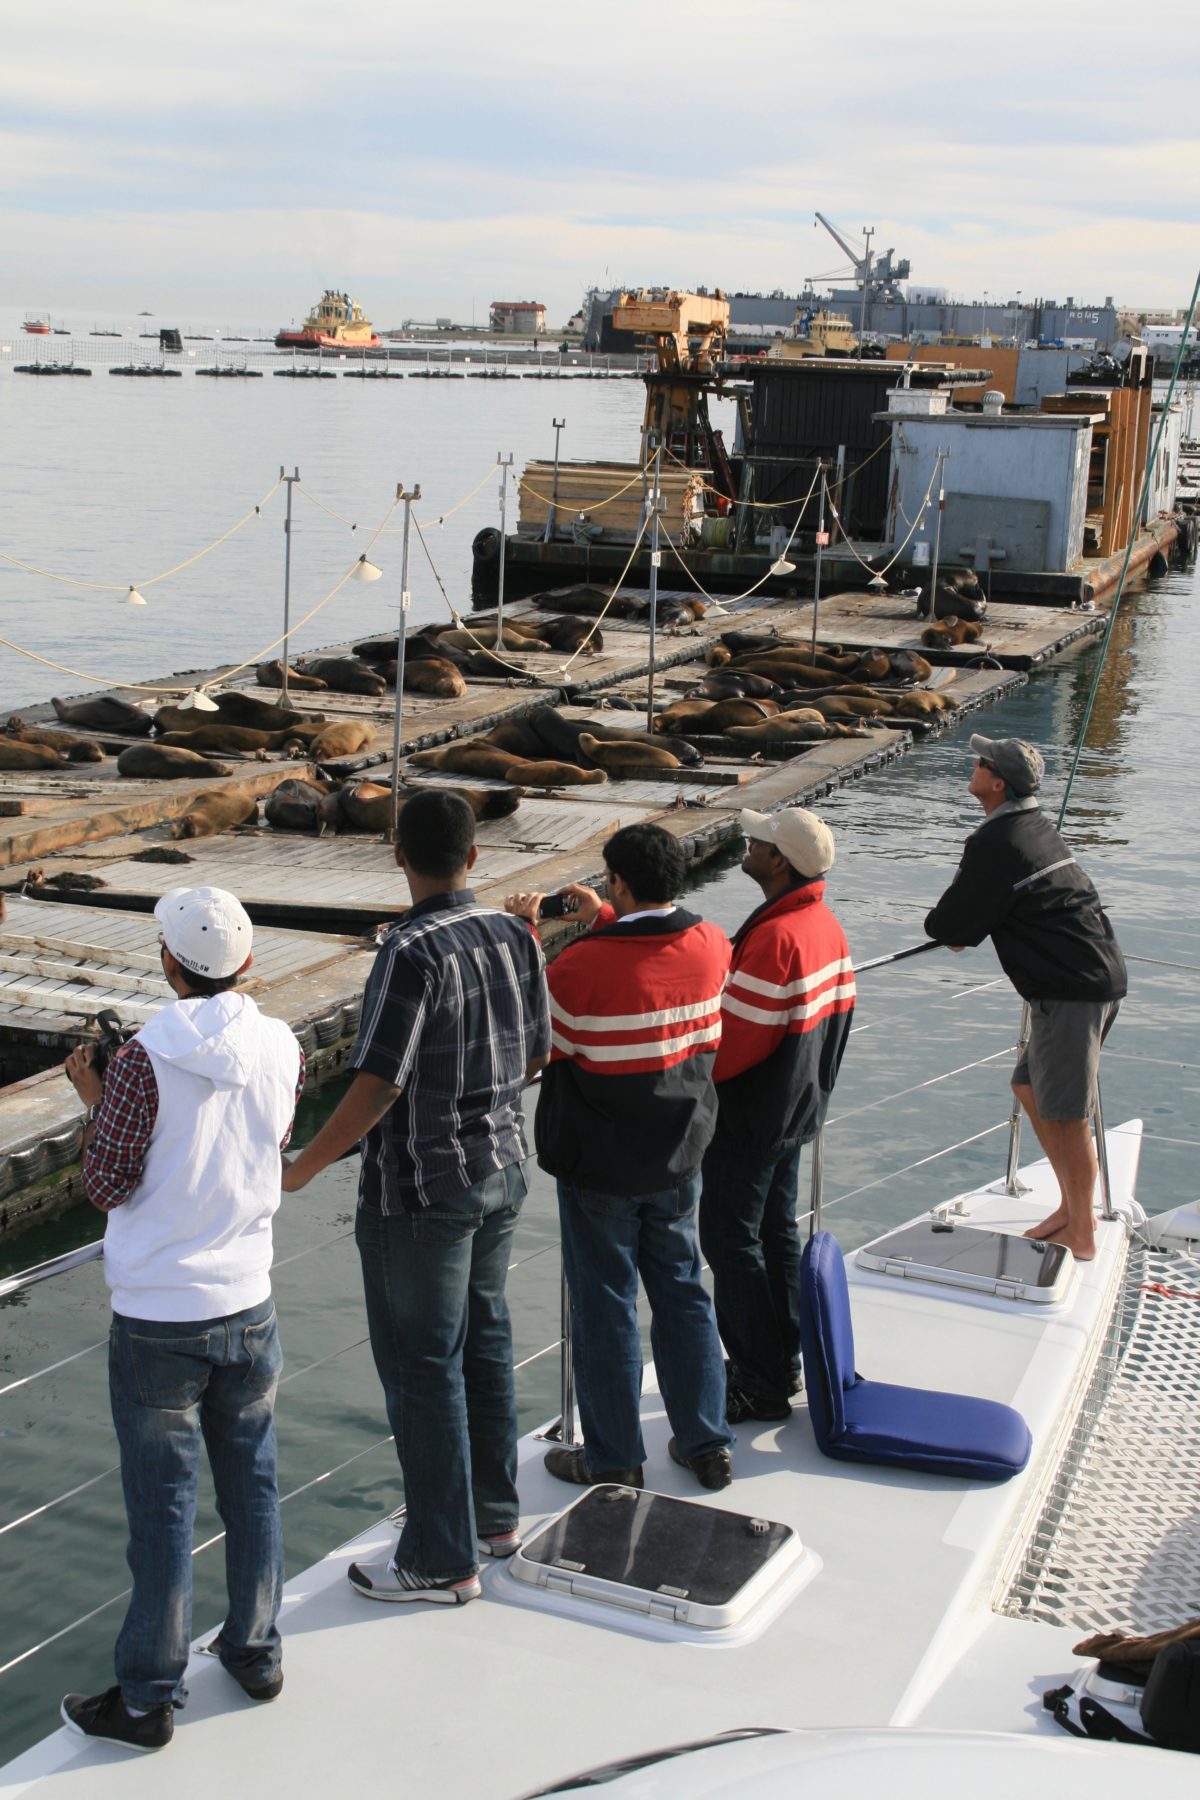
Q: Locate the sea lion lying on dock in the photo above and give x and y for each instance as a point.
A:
(488, 637)
(74, 749)
(270, 675)
(622, 758)
(219, 811)
(950, 632)
(738, 642)
(569, 635)
(739, 684)
(234, 740)
(104, 712)
(560, 737)
(367, 805)
(736, 712)
(590, 602)
(14, 755)
(346, 675)
(475, 756)
(432, 675)
(344, 737)
(792, 728)
(168, 762)
(493, 662)
(302, 805)
(237, 707)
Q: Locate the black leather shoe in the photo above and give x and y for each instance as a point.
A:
(712, 1468)
(568, 1465)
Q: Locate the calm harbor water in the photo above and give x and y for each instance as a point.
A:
(117, 481)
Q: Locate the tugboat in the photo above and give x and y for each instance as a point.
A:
(336, 323)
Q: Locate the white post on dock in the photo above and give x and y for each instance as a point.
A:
(552, 509)
(504, 464)
(822, 540)
(655, 561)
(287, 577)
(405, 597)
(937, 530)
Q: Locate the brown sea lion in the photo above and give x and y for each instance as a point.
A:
(218, 811)
(922, 703)
(16, 755)
(570, 634)
(474, 756)
(231, 740)
(104, 712)
(429, 675)
(951, 631)
(270, 675)
(739, 641)
(590, 602)
(717, 656)
(626, 758)
(485, 803)
(168, 762)
(559, 737)
(792, 673)
(684, 715)
(739, 684)
(489, 662)
(346, 674)
(302, 805)
(236, 707)
(787, 728)
(75, 749)
(850, 706)
(485, 637)
(345, 737)
(737, 712)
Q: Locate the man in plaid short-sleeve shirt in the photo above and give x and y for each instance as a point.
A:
(455, 1020)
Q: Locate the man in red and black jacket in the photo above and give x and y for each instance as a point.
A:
(625, 1113)
(785, 1020)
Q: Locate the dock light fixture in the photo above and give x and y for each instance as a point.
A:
(878, 583)
(133, 598)
(781, 566)
(198, 701)
(365, 570)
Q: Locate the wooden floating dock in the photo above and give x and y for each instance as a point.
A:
(67, 951)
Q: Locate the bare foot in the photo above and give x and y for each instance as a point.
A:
(1082, 1249)
(1056, 1222)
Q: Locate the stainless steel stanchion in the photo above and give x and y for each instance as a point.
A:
(1107, 1209)
(1012, 1182)
(816, 1183)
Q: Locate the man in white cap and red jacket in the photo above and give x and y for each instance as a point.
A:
(785, 1020)
(183, 1152)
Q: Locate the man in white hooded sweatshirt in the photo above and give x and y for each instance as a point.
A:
(183, 1153)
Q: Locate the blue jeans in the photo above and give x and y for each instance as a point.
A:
(442, 1343)
(608, 1240)
(171, 1384)
(751, 1242)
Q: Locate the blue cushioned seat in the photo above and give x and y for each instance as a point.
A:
(876, 1422)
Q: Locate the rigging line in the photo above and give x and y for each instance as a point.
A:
(294, 1493)
(525, 674)
(1138, 514)
(312, 612)
(909, 1167)
(1156, 962)
(137, 687)
(901, 548)
(727, 600)
(577, 506)
(919, 1086)
(120, 587)
(396, 530)
(49, 1505)
(50, 1369)
(616, 590)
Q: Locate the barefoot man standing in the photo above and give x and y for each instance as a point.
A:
(1019, 884)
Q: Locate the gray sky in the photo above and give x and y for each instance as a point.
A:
(233, 159)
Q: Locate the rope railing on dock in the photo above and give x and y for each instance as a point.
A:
(725, 601)
(121, 587)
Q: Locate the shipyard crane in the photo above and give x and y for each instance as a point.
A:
(688, 331)
(878, 282)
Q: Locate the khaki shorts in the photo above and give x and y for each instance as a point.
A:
(1061, 1061)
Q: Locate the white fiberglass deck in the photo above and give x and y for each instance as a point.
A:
(896, 1626)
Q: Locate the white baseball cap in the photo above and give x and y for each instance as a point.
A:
(205, 929)
(802, 839)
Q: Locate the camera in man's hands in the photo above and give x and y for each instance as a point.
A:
(558, 906)
(114, 1032)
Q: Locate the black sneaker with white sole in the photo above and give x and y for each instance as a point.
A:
(106, 1716)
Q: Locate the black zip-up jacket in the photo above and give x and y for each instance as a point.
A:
(1019, 884)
